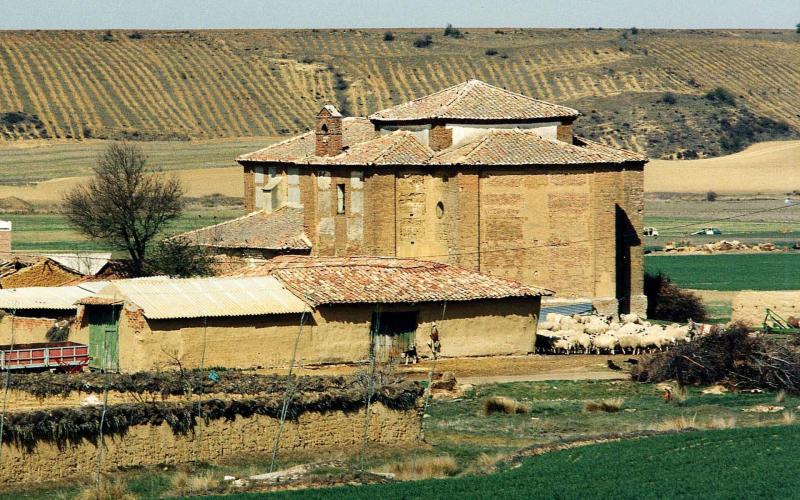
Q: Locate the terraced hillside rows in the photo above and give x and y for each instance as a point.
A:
(640, 89)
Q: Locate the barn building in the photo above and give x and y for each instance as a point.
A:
(474, 176)
(347, 306)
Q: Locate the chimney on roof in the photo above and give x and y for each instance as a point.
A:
(328, 131)
(5, 237)
(440, 137)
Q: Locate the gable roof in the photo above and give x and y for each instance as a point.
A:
(474, 100)
(203, 297)
(526, 147)
(301, 148)
(354, 280)
(281, 229)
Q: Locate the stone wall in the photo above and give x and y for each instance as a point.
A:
(751, 307)
(215, 441)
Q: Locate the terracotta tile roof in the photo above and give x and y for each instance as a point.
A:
(474, 100)
(396, 148)
(526, 147)
(354, 280)
(300, 149)
(281, 229)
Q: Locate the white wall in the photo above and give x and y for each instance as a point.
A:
(463, 132)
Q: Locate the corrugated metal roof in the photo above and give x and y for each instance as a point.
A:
(40, 297)
(206, 297)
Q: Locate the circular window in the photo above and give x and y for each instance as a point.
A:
(440, 210)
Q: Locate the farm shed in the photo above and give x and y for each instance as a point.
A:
(30, 312)
(252, 320)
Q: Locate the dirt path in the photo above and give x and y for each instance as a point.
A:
(497, 369)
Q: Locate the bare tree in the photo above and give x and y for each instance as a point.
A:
(125, 204)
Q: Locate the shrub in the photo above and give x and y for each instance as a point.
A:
(665, 301)
(453, 32)
(634, 31)
(178, 257)
(423, 41)
(502, 404)
(424, 468)
(59, 332)
(136, 35)
(107, 490)
(669, 98)
(731, 357)
(388, 36)
(797, 27)
(606, 405)
(711, 196)
(721, 96)
(108, 36)
(491, 52)
(182, 484)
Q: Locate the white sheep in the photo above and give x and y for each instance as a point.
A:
(629, 318)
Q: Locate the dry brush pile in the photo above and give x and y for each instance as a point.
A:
(311, 394)
(734, 358)
(560, 334)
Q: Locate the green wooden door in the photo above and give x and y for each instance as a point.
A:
(393, 333)
(103, 337)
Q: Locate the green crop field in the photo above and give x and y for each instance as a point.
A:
(765, 271)
(45, 160)
(50, 232)
(740, 463)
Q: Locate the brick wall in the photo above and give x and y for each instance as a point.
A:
(440, 137)
(43, 273)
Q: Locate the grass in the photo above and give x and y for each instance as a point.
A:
(729, 272)
(465, 441)
(50, 232)
(46, 160)
(734, 463)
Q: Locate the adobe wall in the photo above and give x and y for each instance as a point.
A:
(25, 330)
(44, 273)
(751, 306)
(331, 334)
(214, 441)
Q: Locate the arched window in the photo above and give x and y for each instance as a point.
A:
(440, 210)
(324, 128)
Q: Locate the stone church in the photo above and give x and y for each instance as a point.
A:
(474, 175)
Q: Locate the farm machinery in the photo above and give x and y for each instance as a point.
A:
(775, 323)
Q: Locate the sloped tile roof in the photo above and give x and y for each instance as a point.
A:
(300, 149)
(281, 229)
(526, 147)
(474, 100)
(355, 280)
(396, 148)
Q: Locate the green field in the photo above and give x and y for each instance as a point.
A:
(741, 463)
(50, 232)
(730, 272)
(21, 164)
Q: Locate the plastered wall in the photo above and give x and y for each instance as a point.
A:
(24, 330)
(331, 334)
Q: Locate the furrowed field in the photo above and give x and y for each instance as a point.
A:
(642, 90)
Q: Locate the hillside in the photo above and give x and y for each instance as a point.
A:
(641, 90)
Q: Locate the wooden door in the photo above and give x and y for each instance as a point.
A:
(103, 337)
(393, 333)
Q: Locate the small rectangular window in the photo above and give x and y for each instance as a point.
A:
(340, 198)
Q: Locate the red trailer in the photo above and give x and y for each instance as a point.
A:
(69, 357)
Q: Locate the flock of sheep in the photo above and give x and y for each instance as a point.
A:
(561, 334)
